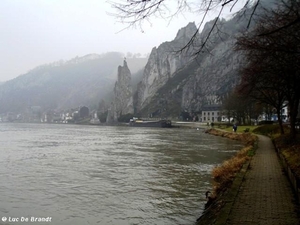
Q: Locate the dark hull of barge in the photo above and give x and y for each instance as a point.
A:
(160, 123)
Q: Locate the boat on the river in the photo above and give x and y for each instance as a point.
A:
(135, 122)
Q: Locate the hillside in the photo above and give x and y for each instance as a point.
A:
(64, 85)
(173, 84)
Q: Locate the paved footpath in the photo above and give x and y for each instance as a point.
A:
(265, 196)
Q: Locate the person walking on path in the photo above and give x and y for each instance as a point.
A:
(265, 196)
(234, 127)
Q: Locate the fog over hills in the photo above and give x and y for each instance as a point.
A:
(64, 85)
(165, 84)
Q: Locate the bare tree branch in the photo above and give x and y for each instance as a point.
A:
(272, 71)
(297, 20)
(135, 12)
(253, 11)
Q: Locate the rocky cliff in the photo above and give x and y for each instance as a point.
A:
(218, 68)
(162, 64)
(173, 83)
(123, 97)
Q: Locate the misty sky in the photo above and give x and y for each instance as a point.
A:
(36, 32)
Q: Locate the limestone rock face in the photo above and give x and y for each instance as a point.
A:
(174, 83)
(163, 62)
(217, 72)
(123, 96)
(216, 76)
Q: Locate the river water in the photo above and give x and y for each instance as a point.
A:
(106, 175)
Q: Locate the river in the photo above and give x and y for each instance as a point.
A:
(106, 175)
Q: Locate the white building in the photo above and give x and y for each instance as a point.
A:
(211, 113)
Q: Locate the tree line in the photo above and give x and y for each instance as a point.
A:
(270, 69)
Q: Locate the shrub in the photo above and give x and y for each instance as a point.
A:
(102, 116)
(223, 175)
(268, 129)
(265, 122)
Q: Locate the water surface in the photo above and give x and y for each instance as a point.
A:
(107, 175)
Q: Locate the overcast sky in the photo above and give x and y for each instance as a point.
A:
(36, 32)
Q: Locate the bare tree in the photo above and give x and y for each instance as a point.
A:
(259, 83)
(134, 13)
(240, 106)
(271, 73)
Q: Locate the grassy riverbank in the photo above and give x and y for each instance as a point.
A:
(240, 129)
(225, 175)
(228, 176)
(290, 148)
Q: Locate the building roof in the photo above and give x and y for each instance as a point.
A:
(211, 107)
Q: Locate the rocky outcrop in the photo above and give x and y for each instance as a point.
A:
(219, 64)
(174, 83)
(123, 96)
(162, 64)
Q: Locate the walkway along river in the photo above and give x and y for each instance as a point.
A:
(107, 175)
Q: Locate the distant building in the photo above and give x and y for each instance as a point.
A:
(284, 113)
(75, 115)
(211, 113)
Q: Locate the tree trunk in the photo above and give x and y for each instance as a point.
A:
(293, 116)
(278, 109)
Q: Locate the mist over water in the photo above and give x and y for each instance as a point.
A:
(107, 175)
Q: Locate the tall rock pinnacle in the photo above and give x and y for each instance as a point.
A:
(123, 98)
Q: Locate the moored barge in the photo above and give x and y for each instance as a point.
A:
(149, 123)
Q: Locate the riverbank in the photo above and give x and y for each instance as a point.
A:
(287, 149)
(227, 178)
(259, 194)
